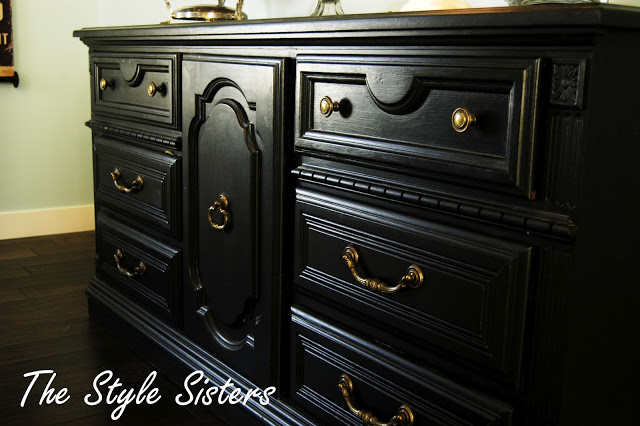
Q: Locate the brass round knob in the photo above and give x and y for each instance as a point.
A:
(152, 89)
(327, 106)
(104, 83)
(461, 119)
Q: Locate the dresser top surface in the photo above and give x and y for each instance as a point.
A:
(557, 19)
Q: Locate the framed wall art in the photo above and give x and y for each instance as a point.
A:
(7, 71)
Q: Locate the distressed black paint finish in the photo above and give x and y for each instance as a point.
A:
(523, 225)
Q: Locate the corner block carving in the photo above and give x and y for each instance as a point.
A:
(567, 82)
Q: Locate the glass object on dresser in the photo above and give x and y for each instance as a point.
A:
(331, 7)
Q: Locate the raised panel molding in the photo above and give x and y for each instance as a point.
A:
(410, 94)
(320, 349)
(490, 276)
(126, 97)
(211, 100)
(161, 173)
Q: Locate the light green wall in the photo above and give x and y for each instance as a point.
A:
(45, 149)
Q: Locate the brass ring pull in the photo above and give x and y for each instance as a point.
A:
(461, 119)
(412, 278)
(135, 185)
(152, 89)
(223, 205)
(137, 271)
(104, 83)
(327, 106)
(403, 417)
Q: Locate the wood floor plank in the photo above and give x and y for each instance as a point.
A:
(84, 272)
(13, 273)
(20, 335)
(14, 254)
(29, 242)
(49, 347)
(30, 307)
(47, 259)
(83, 265)
(55, 289)
(67, 363)
(11, 295)
(64, 248)
(33, 312)
(75, 238)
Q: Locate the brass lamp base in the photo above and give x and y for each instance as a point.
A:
(208, 12)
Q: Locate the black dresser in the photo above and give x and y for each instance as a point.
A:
(404, 219)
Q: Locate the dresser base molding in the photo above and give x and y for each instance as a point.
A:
(176, 356)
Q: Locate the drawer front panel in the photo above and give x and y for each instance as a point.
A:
(121, 88)
(381, 383)
(140, 266)
(399, 113)
(138, 182)
(473, 294)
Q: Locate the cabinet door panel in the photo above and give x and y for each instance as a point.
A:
(229, 158)
(231, 112)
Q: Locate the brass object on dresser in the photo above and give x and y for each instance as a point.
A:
(327, 106)
(138, 270)
(404, 416)
(136, 185)
(104, 83)
(152, 89)
(461, 119)
(473, 156)
(221, 204)
(207, 12)
(412, 278)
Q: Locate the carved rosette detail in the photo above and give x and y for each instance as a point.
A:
(567, 83)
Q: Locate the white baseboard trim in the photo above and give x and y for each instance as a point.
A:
(32, 223)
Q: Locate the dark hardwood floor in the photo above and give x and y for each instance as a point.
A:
(44, 325)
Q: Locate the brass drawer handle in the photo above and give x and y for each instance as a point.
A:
(403, 417)
(152, 89)
(221, 204)
(412, 278)
(104, 83)
(461, 119)
(327, 106)
(137, 271)
(135, 185)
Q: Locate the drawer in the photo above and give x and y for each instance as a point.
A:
(141, 88)
(409, 115)
(139, 182)
(138, 265)
(418, 286)
(325, 357)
